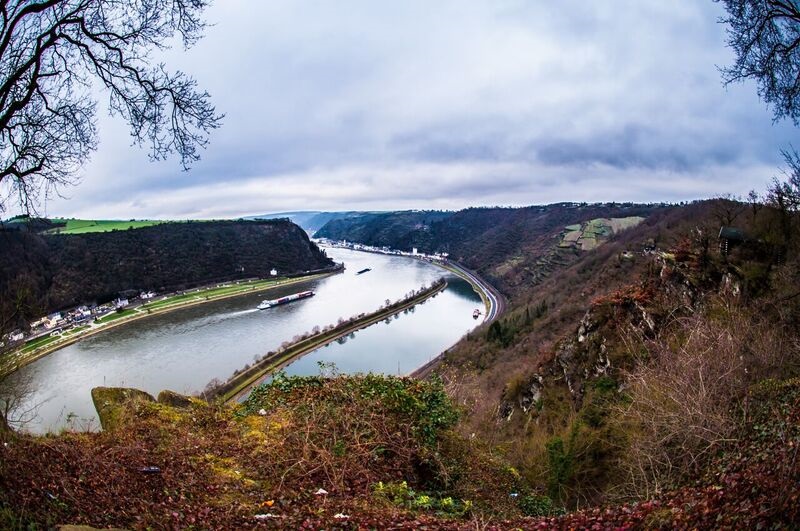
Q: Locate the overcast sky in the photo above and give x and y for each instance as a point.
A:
(446, 104)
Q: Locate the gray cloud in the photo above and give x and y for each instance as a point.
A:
(361, 104)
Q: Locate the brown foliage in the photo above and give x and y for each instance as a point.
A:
(687, 397)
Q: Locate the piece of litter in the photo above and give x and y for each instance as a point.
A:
(150, 470)
(262, 412)
(267, 516)
(340, 515)
(321, 492)
(514, 494)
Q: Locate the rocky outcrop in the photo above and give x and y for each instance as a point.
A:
(171, 398)
(112, 403)
(601, 344)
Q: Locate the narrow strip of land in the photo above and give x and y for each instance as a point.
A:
(494, 301)
(36, 349)
(240, 385)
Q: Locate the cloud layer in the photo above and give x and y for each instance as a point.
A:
(418, 104)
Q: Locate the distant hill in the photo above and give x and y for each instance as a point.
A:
(310, 220)
(512, 247)
(76, 226)
(83, 226)
(44, 272)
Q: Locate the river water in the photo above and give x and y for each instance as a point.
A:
(185, 349)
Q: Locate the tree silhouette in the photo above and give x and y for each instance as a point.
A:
(55, 54)
(765, 35)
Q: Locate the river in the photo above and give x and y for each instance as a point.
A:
(185, 349)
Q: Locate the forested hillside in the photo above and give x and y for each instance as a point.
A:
(40, 273)
(626, 374)
(511, 247)
(630, 362)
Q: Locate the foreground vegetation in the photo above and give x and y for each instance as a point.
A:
(381, 448)
(351, 452)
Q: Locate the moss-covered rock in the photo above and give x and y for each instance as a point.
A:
(171, 398)
(111, 404)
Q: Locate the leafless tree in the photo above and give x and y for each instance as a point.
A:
(55, 54)
(754, 201)
(765, 36)
(784, 195)
(789, 189)
(727, 209)
(16, 408)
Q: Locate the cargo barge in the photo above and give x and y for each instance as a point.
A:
(283, 300)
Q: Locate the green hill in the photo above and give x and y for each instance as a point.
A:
(40, 273)
(84, 226)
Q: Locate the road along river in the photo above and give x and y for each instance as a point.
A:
(185, 349)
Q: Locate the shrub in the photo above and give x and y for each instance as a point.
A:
(535, 505)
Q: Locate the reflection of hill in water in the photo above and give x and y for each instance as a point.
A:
(462, 289)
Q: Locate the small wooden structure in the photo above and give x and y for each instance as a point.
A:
(730, 237)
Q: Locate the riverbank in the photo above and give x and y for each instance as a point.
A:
(493, 300)
(18, 358)
(242, 383)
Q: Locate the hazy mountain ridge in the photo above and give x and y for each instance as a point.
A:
(311, 220)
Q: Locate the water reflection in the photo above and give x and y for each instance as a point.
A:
(186, 349)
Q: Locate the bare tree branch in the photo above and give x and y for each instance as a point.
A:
(765, 35)
(53, 52)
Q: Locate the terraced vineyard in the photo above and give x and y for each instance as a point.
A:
(589, 235)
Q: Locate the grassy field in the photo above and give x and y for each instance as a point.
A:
(113, 316)
(211, 293)
(44, 340)
(83, 226)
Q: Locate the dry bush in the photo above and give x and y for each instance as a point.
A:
(687, 401)
(349, 432)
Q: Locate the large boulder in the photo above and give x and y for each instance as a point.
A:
(112, 403)
(171, 398)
